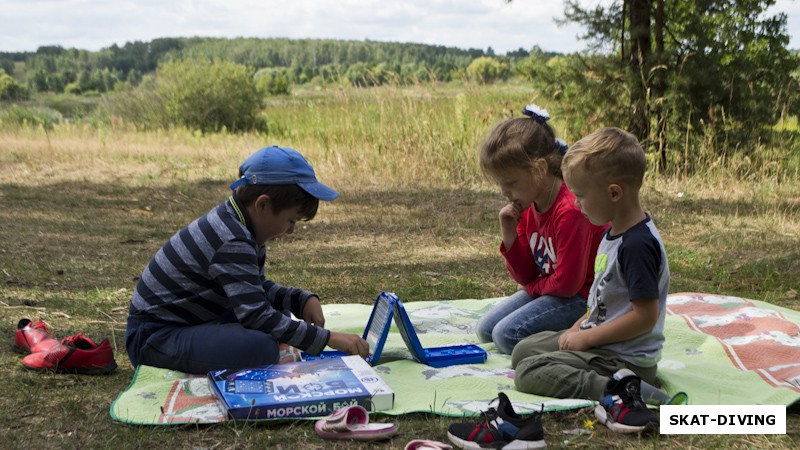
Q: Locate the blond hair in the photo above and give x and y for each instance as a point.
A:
(610, 153)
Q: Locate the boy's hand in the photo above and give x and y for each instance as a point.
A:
(573, 340)
(312, 312)
(350, 343)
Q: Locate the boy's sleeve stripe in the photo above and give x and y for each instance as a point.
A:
(188, 238)
(229, 257)
(211, 231)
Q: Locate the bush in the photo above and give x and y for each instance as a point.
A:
(487, 70)
(272, 81)
(201, 94)
(140, 106)
(71, 107)
(209, 95)
(16, 115)
(10, 89)
(360, 75)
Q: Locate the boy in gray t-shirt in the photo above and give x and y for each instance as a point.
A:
(610, 354)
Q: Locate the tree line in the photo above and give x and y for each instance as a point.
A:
(361, 63)
(715, 75)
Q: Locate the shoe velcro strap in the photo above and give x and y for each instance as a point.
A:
(485, 435)
(58, 355)
(488, 430)
(507, 428)
(620, 413)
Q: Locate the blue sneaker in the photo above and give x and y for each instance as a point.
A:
(622, 409)
(500, 428)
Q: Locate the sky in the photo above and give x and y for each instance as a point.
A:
(94, 24)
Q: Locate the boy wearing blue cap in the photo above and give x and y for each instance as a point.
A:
(204, 303)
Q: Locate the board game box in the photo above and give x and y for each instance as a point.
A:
(300, 389)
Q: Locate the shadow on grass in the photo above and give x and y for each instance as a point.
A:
(78, 248)
(82, 236)
(421, 243)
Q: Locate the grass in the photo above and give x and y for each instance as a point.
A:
(84, 209)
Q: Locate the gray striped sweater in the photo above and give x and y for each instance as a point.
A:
(213, 265)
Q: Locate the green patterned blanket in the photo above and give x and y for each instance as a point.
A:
(719, 350)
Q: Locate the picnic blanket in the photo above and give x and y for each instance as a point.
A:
(719, 350)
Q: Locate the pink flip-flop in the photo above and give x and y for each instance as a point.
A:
(352, 422)
(423, 444)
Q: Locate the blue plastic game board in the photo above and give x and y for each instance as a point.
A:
(380, 321)
(436, 356)
(388, 305)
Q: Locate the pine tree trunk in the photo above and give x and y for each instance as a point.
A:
(660, 86)
(639, 63)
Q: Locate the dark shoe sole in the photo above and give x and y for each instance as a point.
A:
(105, 370)
(603, 417)
(516, 444)
(20, 350)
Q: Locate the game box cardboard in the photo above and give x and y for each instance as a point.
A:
(300, 389)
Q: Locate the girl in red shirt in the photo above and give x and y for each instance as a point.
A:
(548, 245)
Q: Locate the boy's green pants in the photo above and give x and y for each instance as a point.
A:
(542, 369)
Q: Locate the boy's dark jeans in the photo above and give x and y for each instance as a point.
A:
(224, 344)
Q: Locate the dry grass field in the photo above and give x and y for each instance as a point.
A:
(84, 209)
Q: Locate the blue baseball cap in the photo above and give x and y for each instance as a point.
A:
(279, 165)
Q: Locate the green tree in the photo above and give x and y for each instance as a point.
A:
(793, 93)
(720, 63)
(38, 80)
(7, 65)
(582, 100)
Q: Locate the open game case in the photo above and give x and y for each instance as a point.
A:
(300, 389)
(435, 356)
(378, 325)
(387, 306)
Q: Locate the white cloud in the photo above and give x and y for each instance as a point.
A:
(792, 10)
(94, 24)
